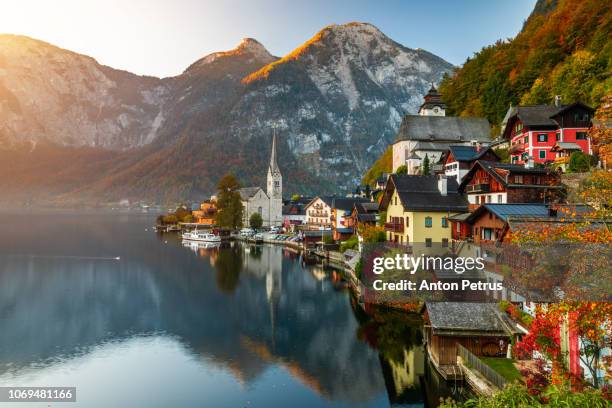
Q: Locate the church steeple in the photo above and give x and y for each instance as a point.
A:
(275, 179)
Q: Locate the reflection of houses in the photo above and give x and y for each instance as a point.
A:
(418, 208)
(269, 203)
(500, 183)
(479, 327)
(430, 133)
(534, 130)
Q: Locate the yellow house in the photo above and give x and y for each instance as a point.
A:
(418, 207)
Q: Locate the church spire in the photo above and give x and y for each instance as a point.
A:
(273, 165)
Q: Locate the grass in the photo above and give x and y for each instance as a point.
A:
(504, 366)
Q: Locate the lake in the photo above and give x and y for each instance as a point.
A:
(133, 318)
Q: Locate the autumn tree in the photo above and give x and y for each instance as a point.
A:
(229, 203)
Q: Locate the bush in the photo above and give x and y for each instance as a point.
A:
(256, 221)
(579, 162)
(327, 239)
(402, 169)
(170, 219)
(351, 243)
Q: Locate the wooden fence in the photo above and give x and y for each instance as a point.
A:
(473, 362)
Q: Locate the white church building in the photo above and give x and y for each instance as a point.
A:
(268, 203)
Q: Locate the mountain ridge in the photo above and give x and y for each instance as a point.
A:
(335, 101)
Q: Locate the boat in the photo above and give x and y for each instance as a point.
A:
(201, 236)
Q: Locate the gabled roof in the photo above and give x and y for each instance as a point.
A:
(469, 153)
(485, 318)
(490, 167)
(346, 204)
(248, 192)
(328, 200)
(444, 129)
(420, 193)
(565, 146)
(539, 115)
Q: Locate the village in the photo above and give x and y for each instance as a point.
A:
(451, 188)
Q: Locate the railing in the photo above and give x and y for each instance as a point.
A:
(473, 362)
(477, 188)
(394, 227)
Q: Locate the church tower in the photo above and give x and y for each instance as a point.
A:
(432, 103)
(275, 187)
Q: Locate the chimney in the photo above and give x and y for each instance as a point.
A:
(442, 184)
(558, 101)
(529, 163)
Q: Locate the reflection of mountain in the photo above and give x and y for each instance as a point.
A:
(62, 306)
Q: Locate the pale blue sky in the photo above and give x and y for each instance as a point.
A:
(162, 37)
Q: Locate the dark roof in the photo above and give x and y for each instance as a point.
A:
(490, 166)
(298, 207)
(366, 217)
(467, 316)
(328, 200)
(530, 212)
(444, 129)
(420, 193)
(541, 115)
(366, 207)
(346, 204)
(469, 153)
(248, 192)
(433, 98)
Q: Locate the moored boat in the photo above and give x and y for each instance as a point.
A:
(201, 236)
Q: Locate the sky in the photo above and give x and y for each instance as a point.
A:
(163, 37)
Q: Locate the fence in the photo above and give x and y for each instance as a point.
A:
(474, 362)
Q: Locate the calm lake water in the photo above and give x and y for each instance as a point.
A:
(172, 326)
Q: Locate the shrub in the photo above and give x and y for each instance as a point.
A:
(351, 243)
(579, 162)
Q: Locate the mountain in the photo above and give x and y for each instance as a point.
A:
(564, 48)
(73, 131)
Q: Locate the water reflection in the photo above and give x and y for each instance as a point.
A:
(192, 324)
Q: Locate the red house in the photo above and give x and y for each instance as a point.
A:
(534, 130)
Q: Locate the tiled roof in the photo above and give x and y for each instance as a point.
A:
(467, 316)
(248, 192)
(346, 204)
(468, 153)
(444, 128)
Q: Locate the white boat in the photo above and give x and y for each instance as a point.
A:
(201, 236)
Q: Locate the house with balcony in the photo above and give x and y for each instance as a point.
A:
(418, 207)
(459, 159)
(501, 183)
(533, 130)
(318, 213)
(363, 214)
(341, 209)
(206, 214)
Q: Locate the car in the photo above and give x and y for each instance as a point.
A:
(246, 232)
(275, 230)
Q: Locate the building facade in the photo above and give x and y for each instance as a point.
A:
(319, 213)
(533, 131)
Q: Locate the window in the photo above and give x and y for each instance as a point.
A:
(486, 234)
(428, 222)
(407, 221)
(500, 198)
(276, 184)
(518, 179)
(488, 199)
(444, 222)
(395, 200)
(581, 136)
(428, 242)
(260, 210)
(542, 137)
(458, 227)
(526, 140)
(514, 159)
(558, 136)
(444, 242)
(542, 154)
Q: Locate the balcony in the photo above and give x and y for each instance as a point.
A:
(394, 227)
(477, 188)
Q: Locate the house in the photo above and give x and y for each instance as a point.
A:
(269, 203)
(431, 133)
(319, 212)
(459, 159)
(206, 214)
(563, 152)
(294, 213)
(534, 130)
(363, 214)
(418, 208)
(341, 212)
(479, 327)
(500, 183)
(491, 222)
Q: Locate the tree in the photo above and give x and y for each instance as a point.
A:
(368, 191)
(579, 162)
(402, 169)
(255, 221)
(601, 133)
(426, 170)
(229, 203)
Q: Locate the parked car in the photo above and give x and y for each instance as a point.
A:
(246, 232)
(275, 230)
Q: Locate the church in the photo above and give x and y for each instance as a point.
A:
(268, 203)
